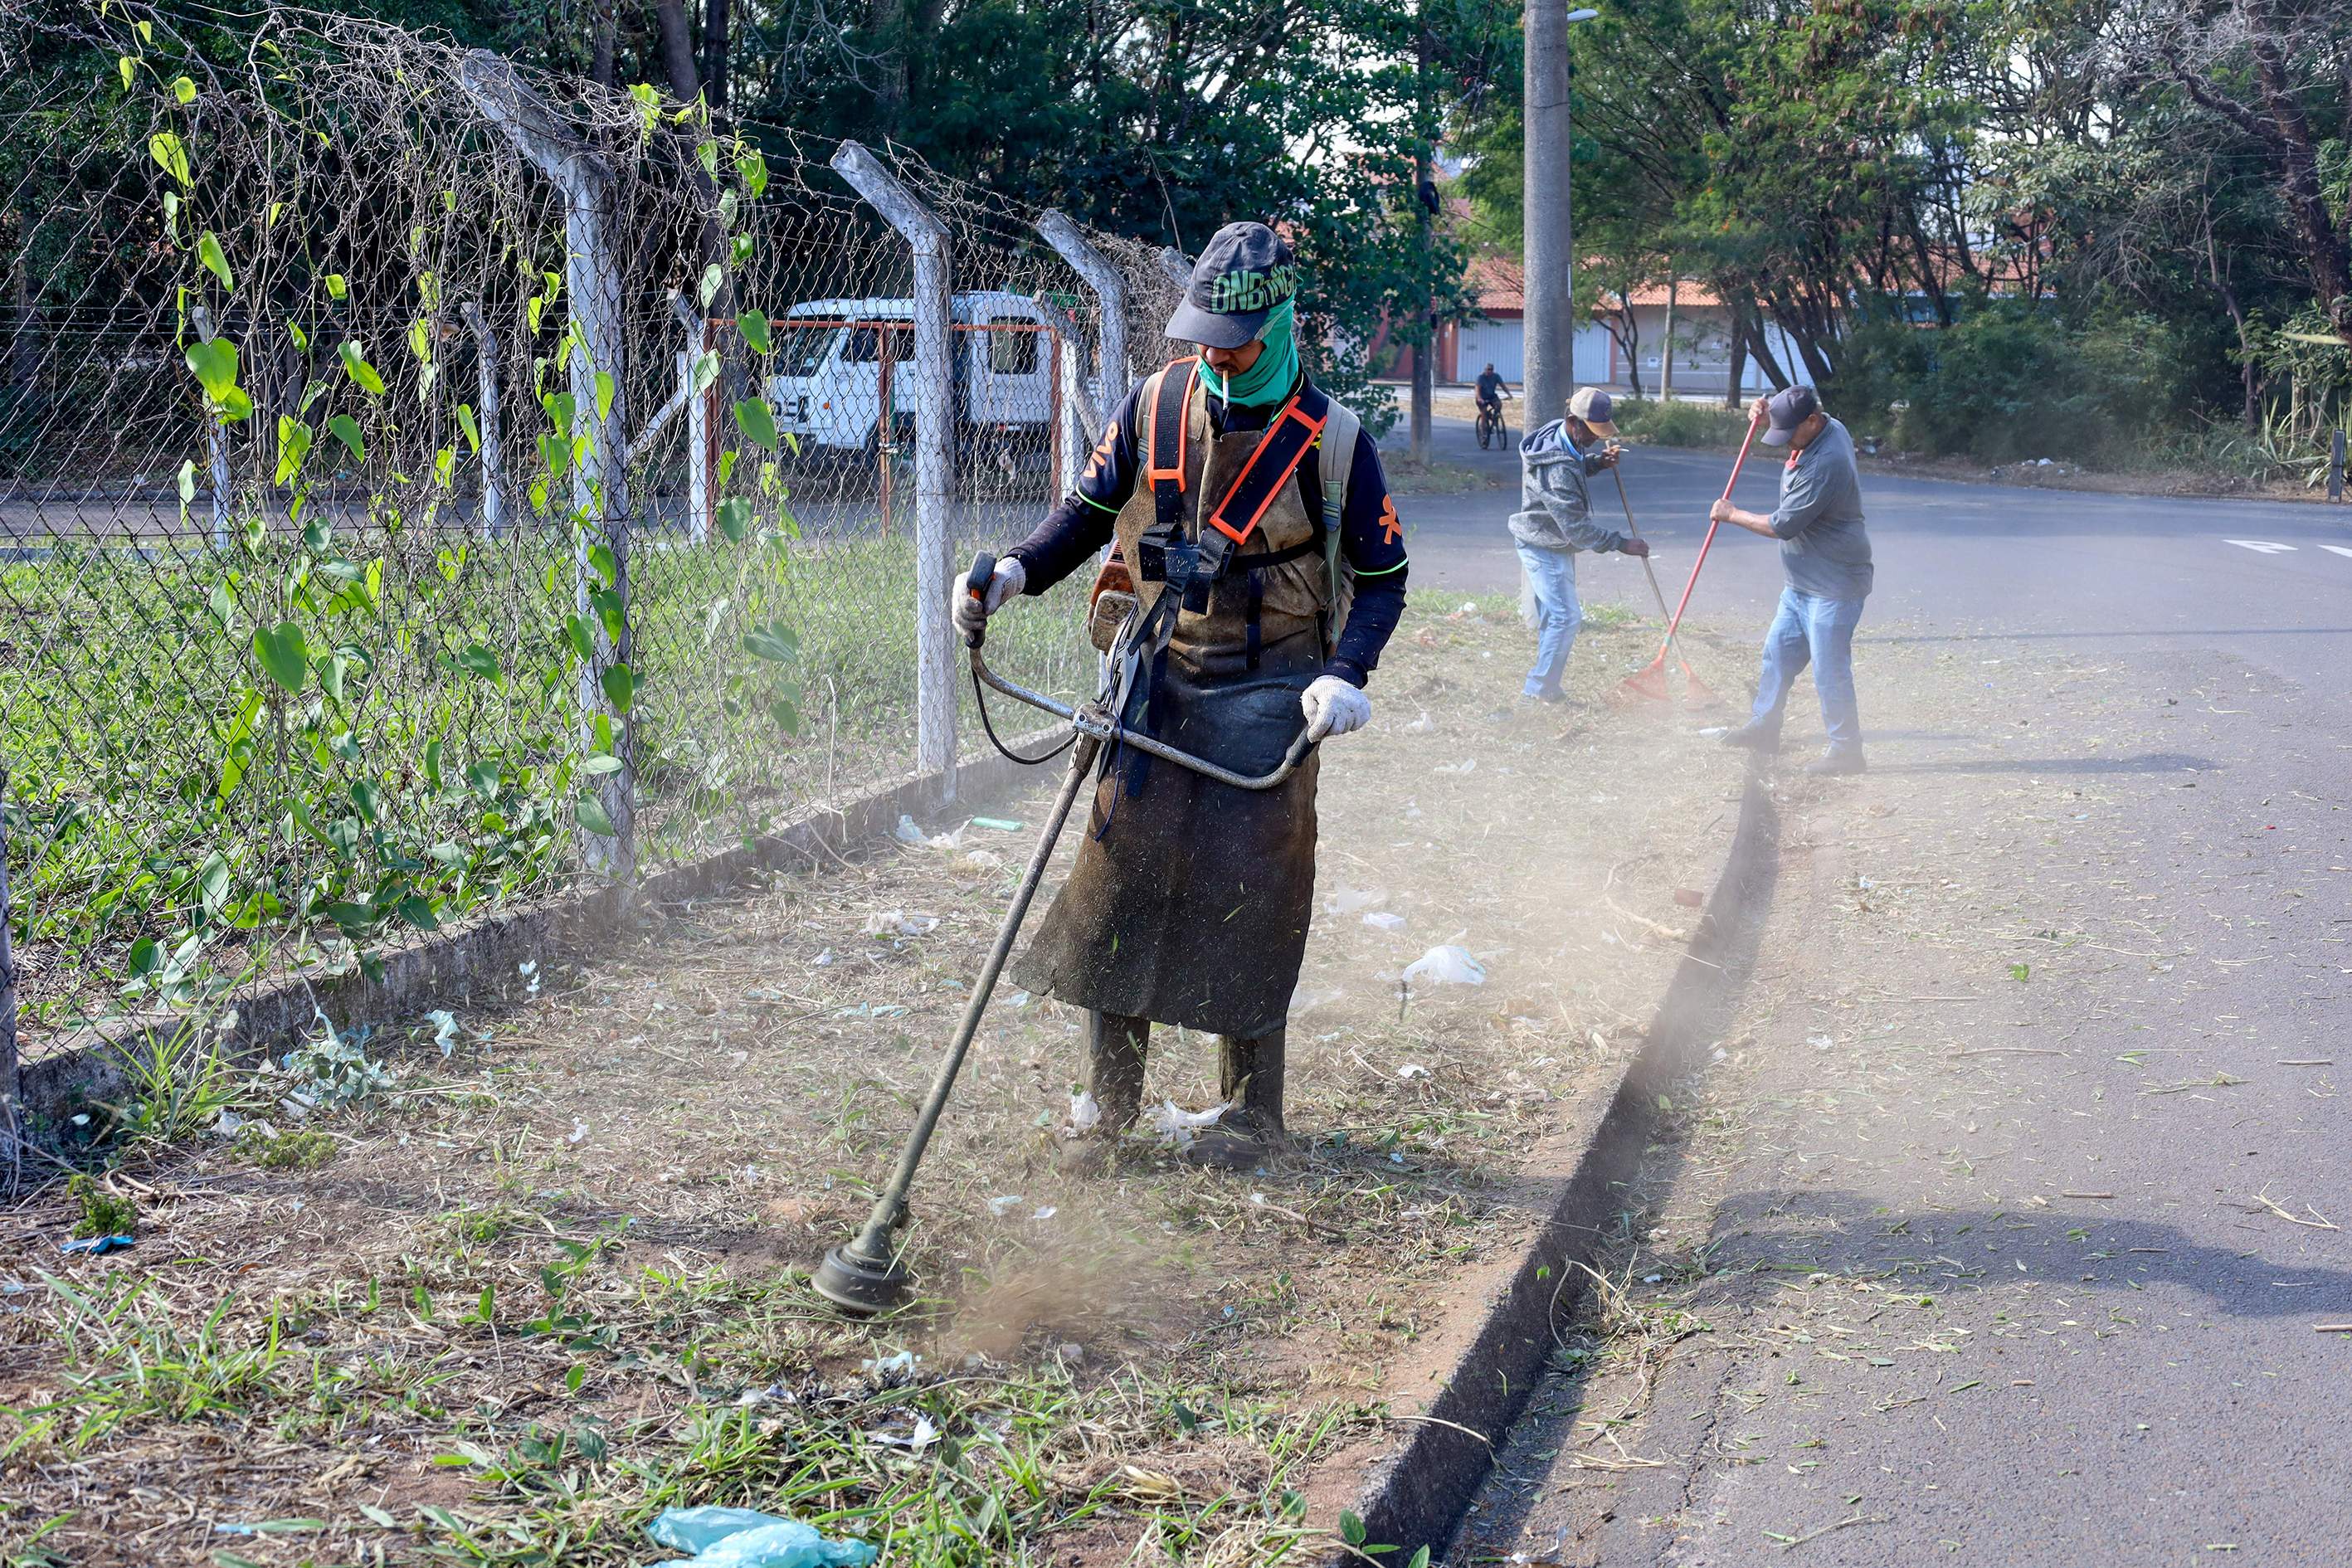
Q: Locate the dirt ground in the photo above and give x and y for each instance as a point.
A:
(511, 1303)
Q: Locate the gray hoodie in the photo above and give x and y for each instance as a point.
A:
(1555, 510)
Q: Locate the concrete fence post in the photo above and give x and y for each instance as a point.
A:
(600, 492)
(1108, 286)
(935, 676)
(701, 497)
(486, 418)
(216, 442)
(1175, 267)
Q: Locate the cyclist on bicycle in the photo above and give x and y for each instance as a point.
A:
(1491, 392)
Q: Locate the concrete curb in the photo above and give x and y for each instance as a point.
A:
(1419, 1488)
(478, 957)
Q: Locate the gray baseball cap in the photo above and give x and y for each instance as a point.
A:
(1787, 410)
(1245, 272)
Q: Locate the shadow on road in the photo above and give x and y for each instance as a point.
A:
(2146, 763)
(1857, 1236)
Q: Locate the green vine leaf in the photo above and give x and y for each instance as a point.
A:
(735, 519)
(184, 89)
(336, 287)
(753, 167)
(591, 815)
(215, 363)
(166, 149)
(479, 660)
(294, 439)
(758, 423)
(284, 656)
(215, 261)
(347, 431)
(354, 357)
(620, 687)
(753, 325)
(606, 390)
(713, 279)
(465, 423)
(775, 642)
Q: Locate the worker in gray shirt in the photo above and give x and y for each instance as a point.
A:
(1555, 521)
(1825, 562)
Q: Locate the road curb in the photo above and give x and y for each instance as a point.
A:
(477, 958)
(1419, 1488)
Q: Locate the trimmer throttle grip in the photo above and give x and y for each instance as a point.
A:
(983, 573)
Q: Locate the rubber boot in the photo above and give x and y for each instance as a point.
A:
(1251, 1134)
(1116, 1046)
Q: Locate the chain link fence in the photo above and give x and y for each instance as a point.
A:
(425, 483)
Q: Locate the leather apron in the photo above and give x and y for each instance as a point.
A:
(1189, 900)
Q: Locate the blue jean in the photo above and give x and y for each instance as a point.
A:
(1811, 630)
(1558, 615)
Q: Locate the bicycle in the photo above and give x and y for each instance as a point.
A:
(1491, 428)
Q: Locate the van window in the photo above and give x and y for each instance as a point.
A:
(802, 351)
(1011, 351)
(865, 345)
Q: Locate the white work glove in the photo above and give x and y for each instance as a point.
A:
(971, 615)
(1334, 707)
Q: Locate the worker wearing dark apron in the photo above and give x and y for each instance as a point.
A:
(1268, 567)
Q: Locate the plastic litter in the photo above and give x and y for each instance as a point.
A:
(1178, 1127)
(444, 1030)
(999, 1207)
(898, 922)
(908, 834)
(1412, 1070)
(998, 823)
(915, 1437)
(1086, 1115)
(1382, 920)
(98, 1245)
(1446, 965)
(1349, 901)
(1466, 765)
(745, 1538)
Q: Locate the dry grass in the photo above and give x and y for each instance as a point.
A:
(533, 1293)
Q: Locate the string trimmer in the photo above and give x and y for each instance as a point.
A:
(1652, 683)
(864, 1275)
(1650, 680)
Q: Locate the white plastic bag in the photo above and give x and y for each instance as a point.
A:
(1446, 965)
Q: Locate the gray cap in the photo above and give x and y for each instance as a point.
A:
(1787, 410)
(1245, 272)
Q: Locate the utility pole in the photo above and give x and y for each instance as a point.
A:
(1425, 354)
(1549, 250)
(1666, 354)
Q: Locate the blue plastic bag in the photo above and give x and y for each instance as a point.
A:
(745, 1538)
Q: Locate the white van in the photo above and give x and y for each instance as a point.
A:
(830, 356)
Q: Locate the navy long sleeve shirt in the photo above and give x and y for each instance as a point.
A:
(1371, 539)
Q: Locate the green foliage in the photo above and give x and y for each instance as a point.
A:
(301, 1150)
(2010, 380)
(101, 1213)
(1680, 423)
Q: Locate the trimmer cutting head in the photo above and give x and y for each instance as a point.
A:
(858, 1285)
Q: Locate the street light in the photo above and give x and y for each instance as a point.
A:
(1550, 325)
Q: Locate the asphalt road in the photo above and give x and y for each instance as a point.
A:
(2268, 582)
(2009, 1222)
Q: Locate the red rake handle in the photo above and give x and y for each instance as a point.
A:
(1684, 603)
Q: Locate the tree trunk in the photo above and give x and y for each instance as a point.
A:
(717, 37)
(677, 50)
(607, 23)
(1734, 390)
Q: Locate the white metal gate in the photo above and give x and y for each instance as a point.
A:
(1498, 342)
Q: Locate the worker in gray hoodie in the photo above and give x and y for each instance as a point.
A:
(1555, 521)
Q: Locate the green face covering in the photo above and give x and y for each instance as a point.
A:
(1277, 369)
